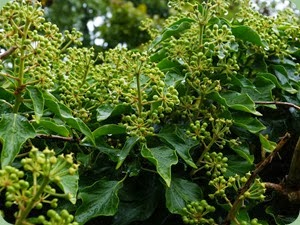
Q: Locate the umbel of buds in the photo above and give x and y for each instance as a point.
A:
(43, 168)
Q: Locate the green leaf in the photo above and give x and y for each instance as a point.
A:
(52, 125)
(235, 100)
(38, 101)
(99, 199)
(14, 131)
(3, 222)
(286, 86)
(175, 29)
(283, 77)
(246, 34)
(69, 184)
(236, 165)
(3, 3)
(109, 129)
(267, 145)
(180, 193)
(173, 137)
(106, 111)
(243, 151)
(248, 122)
(138, 200)
(163, 158)
(129, 144)
(66, 115)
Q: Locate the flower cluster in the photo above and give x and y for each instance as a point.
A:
(45, 168)
(195, 213)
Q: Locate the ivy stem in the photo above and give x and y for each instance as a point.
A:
(20, 85)
(21, 219)
(138, 84)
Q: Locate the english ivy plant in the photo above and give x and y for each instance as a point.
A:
(181, 131)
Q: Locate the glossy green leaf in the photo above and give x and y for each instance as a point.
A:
(99, 199)
(66, 115)
(106, 111)
(37, 100)
(129, 144)
(286, 86)
(236, 165)
(173, 137)
(246, 34)
(163, 158)
(235, 100)
(138, 200)
(3, 3)
(243, 151)
(175, 29)
(3, 222)
(261, 90)
(14, 131)
(267, 145)
(283, 78)
(68, 183)
(6, 99)
(109, 129)
(248, 122)
(180, 193)
(51, 124)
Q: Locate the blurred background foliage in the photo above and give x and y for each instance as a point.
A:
(108, 23)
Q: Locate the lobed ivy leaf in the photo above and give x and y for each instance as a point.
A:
(38, 102)
(14, 131)
(105, 111)
(52, 125)
(180, 193)
(283, 78)
(286, 86)
(163, 158)
(246, 34)
(66, 115)
(235, 100)
(174, 29)
(138, 200)
(99, 199)
(129, 144)
(172, 136)
(247, 122)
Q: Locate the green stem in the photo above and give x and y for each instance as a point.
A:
(138, 84)
(23, 215)
(20, 81)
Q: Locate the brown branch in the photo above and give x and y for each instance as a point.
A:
(277, 103)
(8, 52)
(56, 137)
(235, 207)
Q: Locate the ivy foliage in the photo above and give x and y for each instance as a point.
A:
(172, 131)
